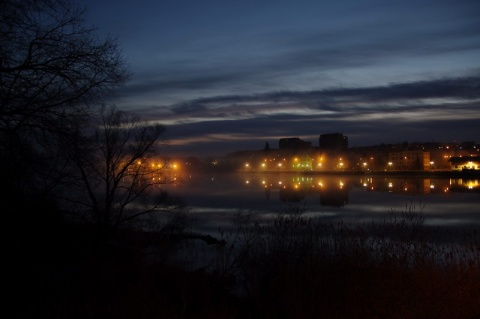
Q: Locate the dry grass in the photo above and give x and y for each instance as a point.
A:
(289, 267)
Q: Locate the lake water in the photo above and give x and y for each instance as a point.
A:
(215, 198)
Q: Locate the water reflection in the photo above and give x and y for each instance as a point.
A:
(334, 190)
(465, 185)
(419, 186)
(214, 198)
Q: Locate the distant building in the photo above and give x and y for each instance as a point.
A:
(293, 144)
(409, 160)
(469, 145)
(333, 142)
(303, 162)
(460, 163)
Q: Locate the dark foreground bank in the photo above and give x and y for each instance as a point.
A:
(292, 268)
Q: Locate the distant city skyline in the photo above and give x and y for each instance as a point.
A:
(226, 76)
(302, 146)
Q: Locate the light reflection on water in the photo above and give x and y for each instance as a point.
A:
(214, 199)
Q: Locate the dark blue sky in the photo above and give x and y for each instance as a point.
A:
(231, 75)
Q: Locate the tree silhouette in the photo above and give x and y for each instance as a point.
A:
(51, 64)
(52, 69)
(114, 180)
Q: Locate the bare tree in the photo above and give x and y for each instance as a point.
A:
(52, 67)
(119, 177)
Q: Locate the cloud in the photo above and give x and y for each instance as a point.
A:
(186, 108)
(444, 92)
(384, 114)
(439, 39)
(228, 76)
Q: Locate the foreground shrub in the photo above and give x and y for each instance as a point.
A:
(289, 266)
(298, 267)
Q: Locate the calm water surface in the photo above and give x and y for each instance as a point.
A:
(215, 198)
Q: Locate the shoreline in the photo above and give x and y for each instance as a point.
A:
(445, 174)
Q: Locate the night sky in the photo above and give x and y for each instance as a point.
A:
(231, 75)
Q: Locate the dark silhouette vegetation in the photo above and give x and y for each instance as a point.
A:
(92, 234)
(64, 155)
(290, 266)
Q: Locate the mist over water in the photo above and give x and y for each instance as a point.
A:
(214, 199)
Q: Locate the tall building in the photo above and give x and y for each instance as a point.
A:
(333, 141)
